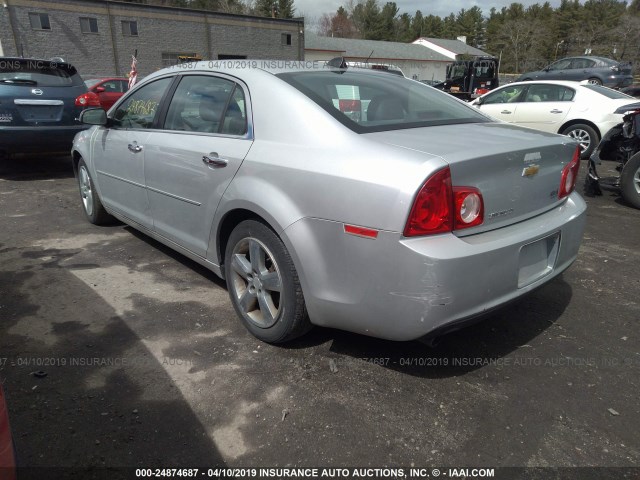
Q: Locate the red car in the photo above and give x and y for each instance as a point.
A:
(108, 90)
(7, 455)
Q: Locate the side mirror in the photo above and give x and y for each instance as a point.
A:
(477, 102)
(93, 116)
(100, 89)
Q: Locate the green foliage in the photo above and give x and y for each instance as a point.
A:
(274, 8)
(526, 38)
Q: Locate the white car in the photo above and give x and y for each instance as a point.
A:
(580, 110)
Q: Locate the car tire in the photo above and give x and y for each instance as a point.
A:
(630, 181)
(585, 135)
(263, 284)
(91, 204)
(595, 81)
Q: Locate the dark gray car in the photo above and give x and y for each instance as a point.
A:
(37, 105)
(597, 70)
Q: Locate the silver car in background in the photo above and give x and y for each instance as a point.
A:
(337, 197)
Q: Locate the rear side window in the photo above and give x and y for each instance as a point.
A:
(207, 104)
(607, 92)
(139, 110)
(549, 93)
(372, 102)
(37, 73)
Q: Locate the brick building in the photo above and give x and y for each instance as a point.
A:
(99, 36)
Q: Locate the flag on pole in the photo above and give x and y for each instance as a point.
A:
(133, 74)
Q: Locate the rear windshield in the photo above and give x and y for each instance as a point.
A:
(607, 92)
(37, 73)
(373, 102)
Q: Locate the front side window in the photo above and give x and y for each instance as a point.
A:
(582, 63)
(372, 102)
(207, 104)
(88, 25)
(130, 28)
(139, 110)
(39, 21)
(508, 94)
(112, 86)
(561, 64)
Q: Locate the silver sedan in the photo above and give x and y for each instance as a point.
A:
(339, 197)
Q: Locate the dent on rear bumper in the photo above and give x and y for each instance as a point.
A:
(402, 289)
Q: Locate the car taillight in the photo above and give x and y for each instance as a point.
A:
(88, 99)
(569, 175)
(439, 207)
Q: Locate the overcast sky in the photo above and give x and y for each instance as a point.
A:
(313, 9)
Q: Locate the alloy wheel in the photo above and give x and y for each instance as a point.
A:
(256, 282)
(583, 138)
(636, 181)
(85, 190)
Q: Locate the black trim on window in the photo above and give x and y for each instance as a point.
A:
(158, 122)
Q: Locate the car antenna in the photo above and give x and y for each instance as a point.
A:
(367, 61)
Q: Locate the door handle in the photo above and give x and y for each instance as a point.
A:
(214, 160)
(134, 147)
(555, 110)
(506, 112)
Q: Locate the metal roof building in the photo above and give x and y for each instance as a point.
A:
(415, 60)
(449, 48)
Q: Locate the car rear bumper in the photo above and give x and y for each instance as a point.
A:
(403, 289)
(618, 81)
(38, 139)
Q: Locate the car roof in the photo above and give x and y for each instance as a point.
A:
(270, 67)
(566, 83)
(590, 57)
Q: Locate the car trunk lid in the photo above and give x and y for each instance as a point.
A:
(625, 68)
(517, 170)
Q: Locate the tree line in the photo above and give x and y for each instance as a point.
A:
(526, 38)
(261, 8)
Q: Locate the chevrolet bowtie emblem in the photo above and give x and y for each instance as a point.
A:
(530, 171)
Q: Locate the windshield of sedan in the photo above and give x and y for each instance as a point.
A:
(608, 92)
(91, 82)
(367, 102)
